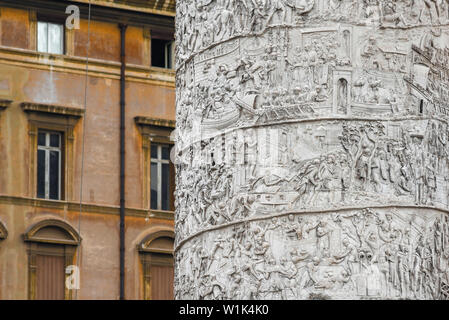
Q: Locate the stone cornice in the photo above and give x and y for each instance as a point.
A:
(102, 10)
(77, 65)
(147, 6)
(147, 121)
(53, 109)
(85, 208)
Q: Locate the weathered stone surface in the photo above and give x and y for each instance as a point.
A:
(312, 149)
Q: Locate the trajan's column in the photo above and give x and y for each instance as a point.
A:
(312, 149)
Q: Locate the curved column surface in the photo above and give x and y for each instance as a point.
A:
(312, 149)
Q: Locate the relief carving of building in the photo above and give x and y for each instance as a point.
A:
(312, 149)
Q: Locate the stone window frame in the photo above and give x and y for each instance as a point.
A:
(157, 131)
(147, 259)
(68, 34)
(52, 118)
(50, 246)
(159, 34)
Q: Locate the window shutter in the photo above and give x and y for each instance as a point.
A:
(50, 277)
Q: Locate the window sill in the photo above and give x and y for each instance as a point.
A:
(161, 69)
(162, 214)
(77, 65)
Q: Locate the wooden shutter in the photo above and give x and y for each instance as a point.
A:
(50, 277)
(162, 282)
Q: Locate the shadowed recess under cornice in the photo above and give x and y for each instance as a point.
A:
(166, 5)
(147, 121)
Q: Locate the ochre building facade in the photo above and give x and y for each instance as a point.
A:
(54, 149)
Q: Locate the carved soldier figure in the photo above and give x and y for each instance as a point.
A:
(279, 9)
(390, 14)
(323, 232)
(430, 178)
(257, 15)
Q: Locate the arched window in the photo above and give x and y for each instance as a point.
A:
(51, 250)
(156, 255)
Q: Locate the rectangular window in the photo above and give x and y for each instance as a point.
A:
(160, 177)
(50, 37)
(162, 53)
(49, 165)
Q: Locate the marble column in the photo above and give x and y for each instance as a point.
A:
(312, 149)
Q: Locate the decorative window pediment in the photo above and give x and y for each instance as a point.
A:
(50, 110)
(155, 128)
(53, 231)
(159, 242)
(3, 231)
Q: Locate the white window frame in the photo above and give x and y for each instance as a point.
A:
(159, 161)
(169, 55)
(47, 148)
(61, 47)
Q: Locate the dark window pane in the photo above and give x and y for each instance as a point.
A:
(41, 139)
(158, 48)
(54, 140)
(54, 175)
(166, 153)
(154, 186)
(165, 186)
(41, 174)
(154, 151)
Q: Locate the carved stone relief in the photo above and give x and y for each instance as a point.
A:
(354, 254)
(311, 135)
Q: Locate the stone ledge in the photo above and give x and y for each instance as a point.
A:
(147, 6)
(85, 208)
(77, 65)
